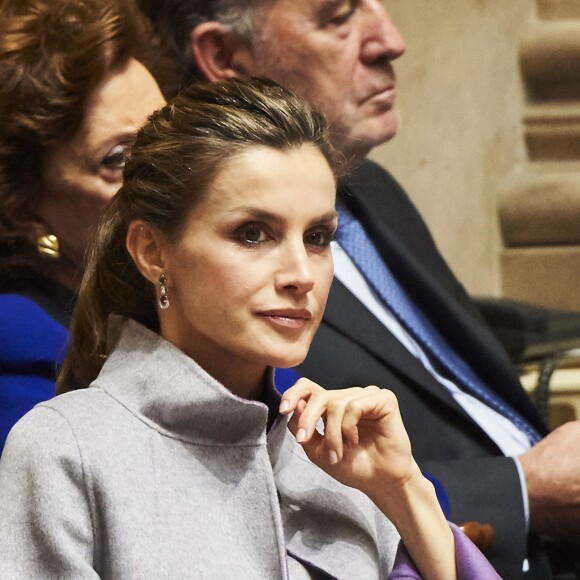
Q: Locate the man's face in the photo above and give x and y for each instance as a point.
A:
(337, 55)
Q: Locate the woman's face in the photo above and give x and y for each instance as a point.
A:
(81, 174)
(249, 276)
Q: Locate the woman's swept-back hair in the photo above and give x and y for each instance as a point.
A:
(53, 54)
(174, 159)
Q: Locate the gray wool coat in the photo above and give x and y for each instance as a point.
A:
(158, 471)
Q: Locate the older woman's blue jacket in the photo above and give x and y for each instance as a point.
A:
(33, 341)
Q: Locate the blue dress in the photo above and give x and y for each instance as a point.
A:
(34, 317)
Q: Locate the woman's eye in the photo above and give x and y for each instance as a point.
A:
(319, 238)
(252, 234)
(115, 159)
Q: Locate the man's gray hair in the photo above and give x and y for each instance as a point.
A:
(173, 21)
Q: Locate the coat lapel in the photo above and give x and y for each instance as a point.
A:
(314, 505)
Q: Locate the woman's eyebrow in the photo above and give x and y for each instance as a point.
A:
(327, 217)
(257, 213)
(268, 216)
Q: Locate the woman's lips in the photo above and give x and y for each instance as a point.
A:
(288, 318)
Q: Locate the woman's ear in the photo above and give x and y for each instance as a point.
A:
(146, 246)
(219, 52)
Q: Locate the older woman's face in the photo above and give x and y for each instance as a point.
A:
(249, 276)
(81, 174)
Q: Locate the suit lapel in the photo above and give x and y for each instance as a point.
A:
(345, 314)
(391, 220)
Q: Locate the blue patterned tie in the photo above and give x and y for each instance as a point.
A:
(355, 242)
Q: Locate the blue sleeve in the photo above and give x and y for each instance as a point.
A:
(285, 378)
(32, 347)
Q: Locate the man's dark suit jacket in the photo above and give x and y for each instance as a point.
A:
(352, 348)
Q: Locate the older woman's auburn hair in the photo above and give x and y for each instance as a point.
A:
(174, 159)
(53, 54)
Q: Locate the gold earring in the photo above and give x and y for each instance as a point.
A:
(47, 245)
(163, 298)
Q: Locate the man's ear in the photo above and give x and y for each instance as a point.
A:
(146, 247)
(219, 52)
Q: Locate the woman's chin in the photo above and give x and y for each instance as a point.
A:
(288, 361)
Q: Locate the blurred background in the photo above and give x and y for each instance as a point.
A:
(489, 142)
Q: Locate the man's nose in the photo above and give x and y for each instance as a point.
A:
(381, 38)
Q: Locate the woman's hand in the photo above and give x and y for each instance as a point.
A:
(364, 445)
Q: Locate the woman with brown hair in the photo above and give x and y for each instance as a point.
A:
(173, 456)
(73, 92)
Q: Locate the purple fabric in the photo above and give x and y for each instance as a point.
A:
(471, 563)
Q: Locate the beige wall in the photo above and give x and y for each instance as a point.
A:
(461, 101)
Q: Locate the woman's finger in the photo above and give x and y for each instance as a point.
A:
(328, 405)
(314, 409)
(343, 416)
(332, 407)
(301, 390)
(314, 441)
(342, 412)
(333, 432)
(374, 404)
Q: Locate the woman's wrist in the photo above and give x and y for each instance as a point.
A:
(395, 499)
(413, 508)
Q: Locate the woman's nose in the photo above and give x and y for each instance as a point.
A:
(295, 272)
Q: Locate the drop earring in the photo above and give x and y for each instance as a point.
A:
(163, 299)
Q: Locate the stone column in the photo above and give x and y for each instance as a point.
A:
(539, 209)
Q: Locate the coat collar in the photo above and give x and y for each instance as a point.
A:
(172, 393)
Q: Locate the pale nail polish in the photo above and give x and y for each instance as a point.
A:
(284, 405)
(333, 457)
(301, 435)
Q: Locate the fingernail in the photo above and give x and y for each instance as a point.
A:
(301, 435)
(333, 457)
(284, 405)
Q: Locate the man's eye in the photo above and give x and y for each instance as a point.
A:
(341, 18)
(343, 13)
